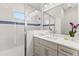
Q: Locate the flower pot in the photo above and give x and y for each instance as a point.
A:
(72, 34)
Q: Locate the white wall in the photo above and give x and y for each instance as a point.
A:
(70, 15)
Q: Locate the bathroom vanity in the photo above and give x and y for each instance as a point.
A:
(54, 45)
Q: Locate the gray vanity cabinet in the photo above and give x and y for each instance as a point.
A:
(44, 48)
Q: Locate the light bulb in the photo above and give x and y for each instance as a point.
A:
(46, 5)
(69, 5)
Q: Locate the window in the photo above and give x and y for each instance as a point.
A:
(18, 14)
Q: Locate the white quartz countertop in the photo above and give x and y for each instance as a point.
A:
(57, 38)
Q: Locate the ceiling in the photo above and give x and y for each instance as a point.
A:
(64, 7)
(36, 5)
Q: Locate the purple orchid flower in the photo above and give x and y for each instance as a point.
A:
(71, 24)
(76, 26)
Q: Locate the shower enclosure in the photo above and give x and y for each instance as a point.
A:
(12, 23)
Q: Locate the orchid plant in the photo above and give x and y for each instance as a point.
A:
(74, 28)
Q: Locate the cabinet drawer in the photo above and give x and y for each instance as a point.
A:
(48, 44)
(36, 49)
(67, 51)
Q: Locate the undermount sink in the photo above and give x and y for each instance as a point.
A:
(44, 34)
(54, 36)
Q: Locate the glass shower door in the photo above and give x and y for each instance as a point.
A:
(11, 30)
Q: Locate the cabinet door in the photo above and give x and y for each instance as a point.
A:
(48, 44)
(66, 51)
(45, 51)
(51, 52)
(36, 51)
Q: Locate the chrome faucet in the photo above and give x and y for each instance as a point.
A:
(51, 32)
